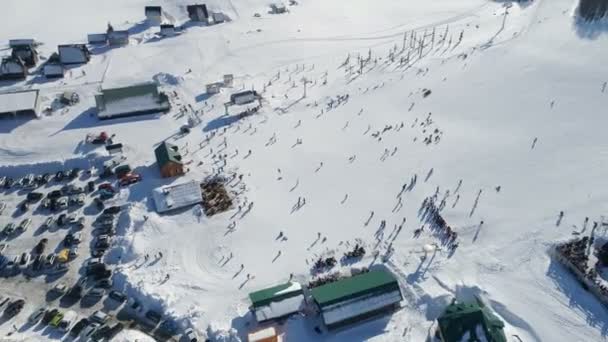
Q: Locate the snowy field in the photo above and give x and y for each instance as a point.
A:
(516, 119)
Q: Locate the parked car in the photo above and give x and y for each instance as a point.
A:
(190, 335)
(153, 316)
(2, 207)
(79, 224)
(88, 331)
(40, 246)
(104, 284)
(106, 186)
(25, 224)
(9, 229)
(97, 253)
(59, 288)
(71, 219)
(56, 319)
(36, 316)
(94, 294)
(3, 247)
(106, 217)
(45, 178)
(24, 206)
(4, 301)
(73, 173)
(62, 203)
(46, 203)
(130, 178)
(59, 176)
(2, 181)
(67, 321)
(9, 183)
(34, 196)
(54, 194)
(106, 194)
(48, 316)
(26, 180)
(62, 220)
(14, 308)
(50, 260)
(24, 259)
(38, 263)
(99, 317)
(117, 296)
(112, 210)
(79, 326)
(48, 223)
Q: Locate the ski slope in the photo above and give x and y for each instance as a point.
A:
(518, 103)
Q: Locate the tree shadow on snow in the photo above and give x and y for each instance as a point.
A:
(88, 119)
(220, 122)
(595, 313)
(590, 29)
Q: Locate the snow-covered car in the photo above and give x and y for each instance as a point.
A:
(50, 260)
(36, 316)
(48, 223)
(88, 331)
(117, 296)
(3, 247)
(190, 335)
(2, 181)
(9, 229)
(99, 317)
(24, 259)
(2, 207)
(76, 199)
(62, 203)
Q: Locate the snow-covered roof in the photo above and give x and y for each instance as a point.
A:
(177, 196)
(19, 101)
(136, 99)
(278, 309)
(343, 311)
(262, 335)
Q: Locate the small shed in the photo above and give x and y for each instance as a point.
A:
(137, 99)
(25, 102)
(277, 302)
(214, 88)
(228, 80)
(198, 12)
(167, 30)
(116, 38)
(470, 322)
(97, 38)
(74, 54)
(27, 53)
(268, 334)
(12, 68)
(169, 160)
(218, 17)
(172, 197)
(244, 97)
(154, 14)
(360, 297)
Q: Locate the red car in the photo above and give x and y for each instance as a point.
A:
(106, 186)
(130, 178)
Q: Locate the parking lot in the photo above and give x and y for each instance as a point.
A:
(54, 230)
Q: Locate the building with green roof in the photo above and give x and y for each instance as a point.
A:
(277, 302)
(470, 322)
(169, 160)
(357, 298)
(143, 98)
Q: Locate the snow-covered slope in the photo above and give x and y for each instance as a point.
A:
(517, 104)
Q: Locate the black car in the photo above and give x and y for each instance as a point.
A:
(117, 296)
(75, 292)
(112, 210)
(91, 186)
(68, 240)
(104, 284)
(153, 316)
(9, 183)
(59, 176)
(98, 253)
(78, 327)
(54, 194)
(33, 197)
(14, 308)
(39, 249)
(24, 206)
(73, 173)
(114, 330)
(45, 178)
(48, 316)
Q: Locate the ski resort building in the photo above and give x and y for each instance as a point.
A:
(277, 302)
(137, 99)
(27, 53)
(169, 160)
(360, 297)
(12, 68)
(74, 54)
(198, 12)
(53, 67)
(13, 43)
(469, 322)
(173, 197)
(154, 14)
(244, 97)
(26, 102)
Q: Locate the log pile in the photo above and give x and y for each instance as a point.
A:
(215, 197)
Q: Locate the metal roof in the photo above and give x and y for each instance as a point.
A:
(275, 293)
(377, 281)
(166, 152)
(177, 196)
(18, 101)
(470, 319)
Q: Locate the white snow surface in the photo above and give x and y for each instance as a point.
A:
(18, 101)
(517, 104)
